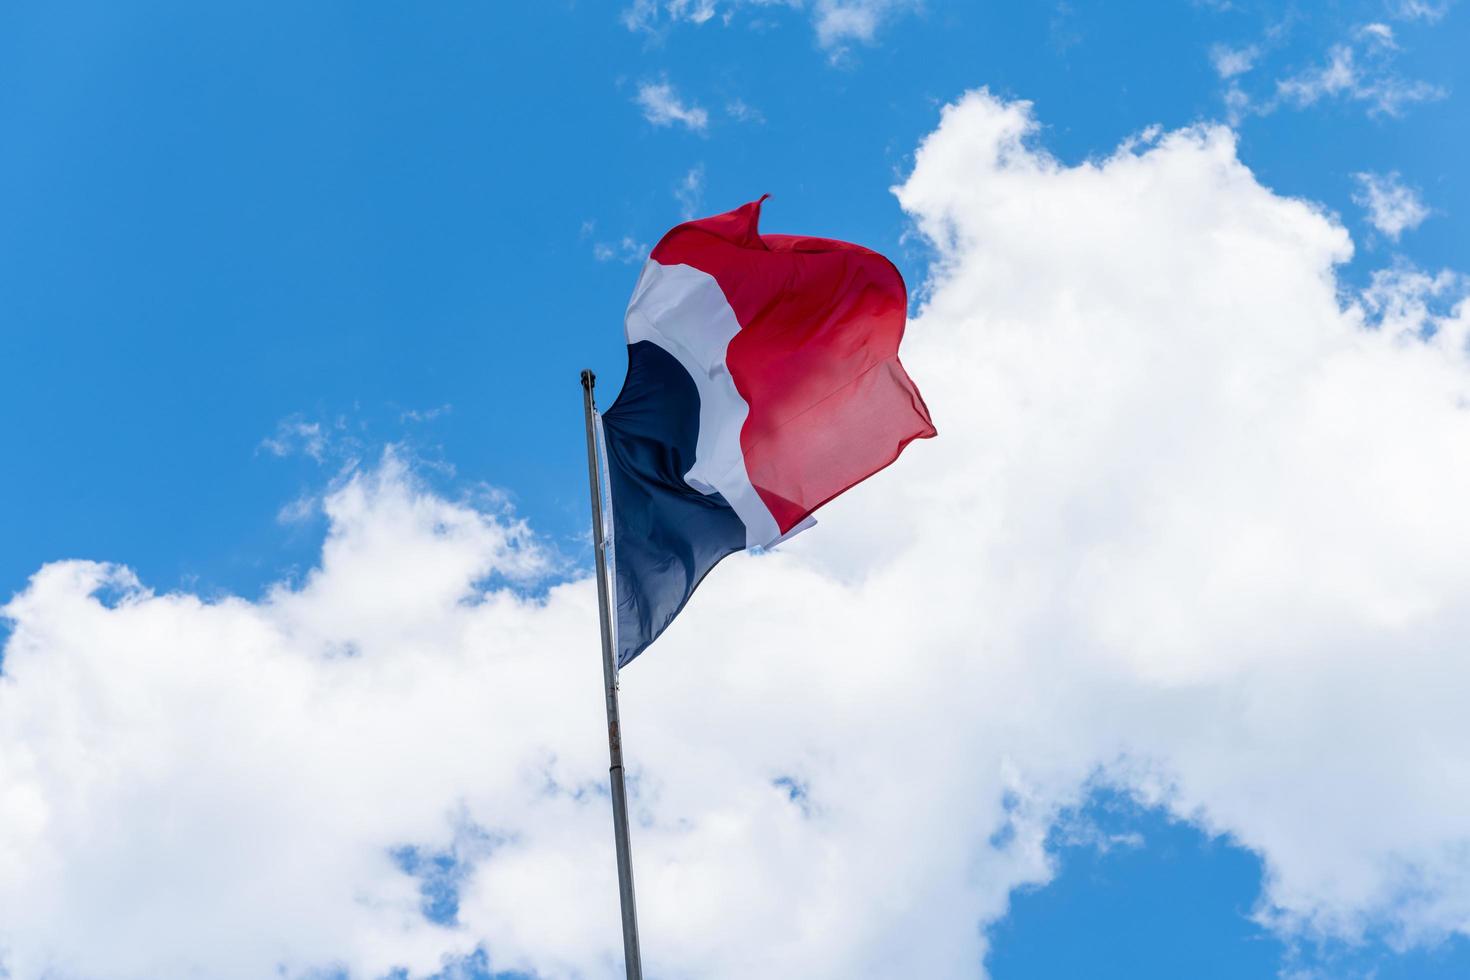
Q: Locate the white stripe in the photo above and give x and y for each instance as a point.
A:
(684, 311)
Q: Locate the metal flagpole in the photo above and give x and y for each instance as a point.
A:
(631, 955)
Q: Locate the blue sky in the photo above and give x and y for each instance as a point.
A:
(218, 220)
(246, 248)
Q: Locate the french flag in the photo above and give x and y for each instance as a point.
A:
(763, 380)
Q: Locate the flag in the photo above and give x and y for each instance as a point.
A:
(763, 380)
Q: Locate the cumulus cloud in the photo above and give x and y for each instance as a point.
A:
(663, 106)
(1223, 483)
(1393, 207)
(1194, 527)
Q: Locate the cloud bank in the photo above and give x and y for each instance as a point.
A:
(1194, 527)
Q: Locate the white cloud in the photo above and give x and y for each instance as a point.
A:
(646, 15)
(1359, 69)
(1254, 511)
(662, 106)
(626, 250)
(840, 22)
(1191, 526)
(689, 192)
(694, 11)
(1393, 208)
(296, 436)
(1237, 103)
(1425, 10)
(1230, 62)
(303, 508)
(1346, 75)
(837, 23)
(740, 111)
(1339, 75)
(1378, 33)
(1401, 298)
(426, 414)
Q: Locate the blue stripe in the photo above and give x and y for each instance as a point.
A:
(666, 535)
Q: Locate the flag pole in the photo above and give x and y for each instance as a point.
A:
(631, 957)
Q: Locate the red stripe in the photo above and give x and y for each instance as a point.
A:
(816, 357)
